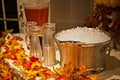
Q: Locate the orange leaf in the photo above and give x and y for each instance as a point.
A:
(7, 74)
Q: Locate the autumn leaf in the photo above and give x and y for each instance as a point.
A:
(12, 57)
(6, 48)
(27, 65)
(33, 59)
(61, 77)
(6, 74)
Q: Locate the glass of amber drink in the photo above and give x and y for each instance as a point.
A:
(37, 10)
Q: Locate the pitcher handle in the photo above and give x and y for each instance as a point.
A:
(27, 41)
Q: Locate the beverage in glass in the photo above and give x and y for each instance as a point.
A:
(37, 10)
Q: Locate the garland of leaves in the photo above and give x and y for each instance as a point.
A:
(32, 68)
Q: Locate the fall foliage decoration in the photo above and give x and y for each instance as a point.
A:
(31, 67)
(107, 19)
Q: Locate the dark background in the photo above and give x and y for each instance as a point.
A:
(11, 12)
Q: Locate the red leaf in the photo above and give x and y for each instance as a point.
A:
(33, 59)
(27, 65)
(61, 77)
(6, 47)
(8, 37)
(14, 57)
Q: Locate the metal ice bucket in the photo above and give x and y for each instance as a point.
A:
(77, 53)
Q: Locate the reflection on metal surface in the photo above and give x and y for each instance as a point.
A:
(91, 55)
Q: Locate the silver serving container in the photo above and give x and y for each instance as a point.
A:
(77, 53)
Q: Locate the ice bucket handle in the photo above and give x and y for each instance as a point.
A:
(106, 50)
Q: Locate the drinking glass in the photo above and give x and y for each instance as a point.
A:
(48, 44)
(35, 45)
(37, 10)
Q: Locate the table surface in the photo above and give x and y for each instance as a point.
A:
(112, 63)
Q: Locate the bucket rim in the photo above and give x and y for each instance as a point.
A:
(83, 43)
